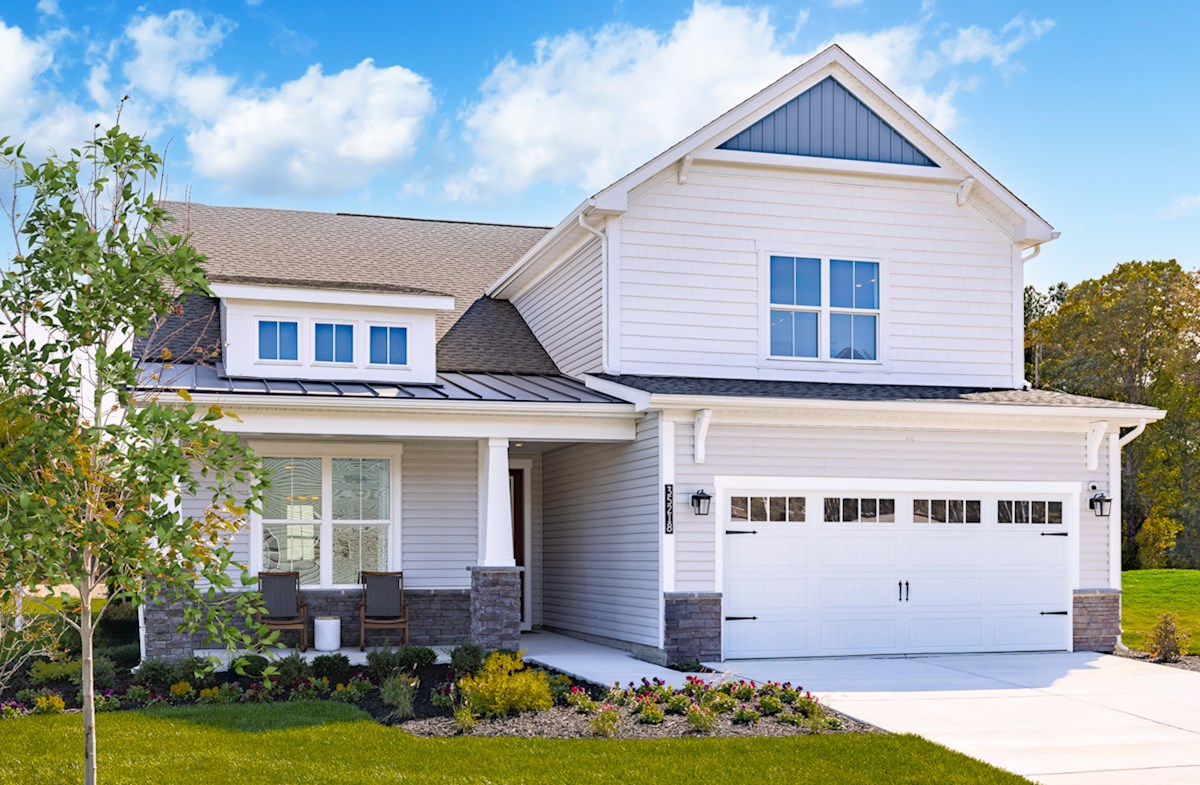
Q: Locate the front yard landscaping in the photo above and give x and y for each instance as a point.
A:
(326, 742)
(1150, 593)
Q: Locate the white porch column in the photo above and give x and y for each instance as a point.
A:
(495, 505)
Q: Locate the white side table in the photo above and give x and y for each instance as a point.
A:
(327, 633)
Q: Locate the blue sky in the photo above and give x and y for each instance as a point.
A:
(514, 112)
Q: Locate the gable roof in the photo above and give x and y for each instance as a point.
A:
(492, 337)
(828, 121)
(250, 245)
(1028, 228)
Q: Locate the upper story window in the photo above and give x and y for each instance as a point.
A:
(389, 345)
(823, 308)
(333, 343)
(278, 340)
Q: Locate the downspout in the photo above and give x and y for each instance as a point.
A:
(1037, 249)
(587, 227)
(1115, 443)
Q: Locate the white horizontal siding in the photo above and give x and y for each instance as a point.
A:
(195, 507)
(690, 294)
(600, 563)
(807, 452)
(440, 534)
(565, 311)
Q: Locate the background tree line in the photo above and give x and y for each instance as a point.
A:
(1134, 335)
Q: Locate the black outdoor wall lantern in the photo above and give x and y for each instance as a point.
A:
(701, 502)
(1101, 505)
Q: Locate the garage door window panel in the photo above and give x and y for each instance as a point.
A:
(767, 509)
(947, 511)
(859, 510)
(1026, 511)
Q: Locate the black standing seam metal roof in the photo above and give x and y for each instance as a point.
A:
(482, 387)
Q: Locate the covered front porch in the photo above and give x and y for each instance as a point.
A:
(450, 493)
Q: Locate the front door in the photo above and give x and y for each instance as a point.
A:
(516, 492)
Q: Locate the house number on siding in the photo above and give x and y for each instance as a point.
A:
(669, 508)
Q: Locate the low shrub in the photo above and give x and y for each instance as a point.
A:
(197, 670)
(334, 667)
(382, 663)
(466, 659)
(417, 657)
(770, 705)
(124, 656)
(137, 694)
(465, 719)
(309, 688)
(701, 719)
(157, 672)
(560, 688)
(583, 703)
(104, 673)
(678, 704)
(1166, 642)
(746, 715)
(688, 666)
(399, 692)
(650, 713)
(503, 686)
(105, 701)
(809, 706)
(292, 668)
(352, 691)
(49, 704)
(255, 666)
(607, 721)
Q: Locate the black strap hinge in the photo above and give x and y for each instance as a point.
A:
(1053, 613)
(1054, 534)
(741, 618)
(739, 531)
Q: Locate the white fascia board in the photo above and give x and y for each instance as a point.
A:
(530, 422)
(1116, 415)
(524, 269)
(831, 165)
(639, 398)
(298, 294)
(408, 405)
(826, 63)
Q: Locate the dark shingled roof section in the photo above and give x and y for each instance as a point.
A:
(761, 388)
(469, 387)
(491, 337)
(294, 248)
(191, 335)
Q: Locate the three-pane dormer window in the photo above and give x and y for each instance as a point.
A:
(278, 340)
(823, 308)
(333, 343)
(389, 345)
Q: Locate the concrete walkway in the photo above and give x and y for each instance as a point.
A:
(1057, 718)
(592, 662)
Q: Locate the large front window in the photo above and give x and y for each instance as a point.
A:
(327, 518)
(823, 308)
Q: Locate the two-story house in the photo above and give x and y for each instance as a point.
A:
(761, 397)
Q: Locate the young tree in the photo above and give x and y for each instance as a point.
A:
(89, 477)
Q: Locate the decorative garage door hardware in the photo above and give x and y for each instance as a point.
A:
(1053, 613)
(902, 586)
(1054, 534)
(741, 618)
(739, 531)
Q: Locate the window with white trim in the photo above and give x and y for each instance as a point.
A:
(327, 518)
(389, 345)
(333, 343)
(278, 340)
(823, 308)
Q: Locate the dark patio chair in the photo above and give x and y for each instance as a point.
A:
(382, 606)
(286, 607)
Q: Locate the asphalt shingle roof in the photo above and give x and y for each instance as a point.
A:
(762, 388)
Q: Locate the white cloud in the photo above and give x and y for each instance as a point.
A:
(49, 8)
(973, 44)
(588, 108)
(845, 3)
(23, 62)
(1183, 205)
(319, 133)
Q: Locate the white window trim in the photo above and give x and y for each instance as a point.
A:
(823, 361)
(355, 349)
(300, 343)
(393, 452)
(407, 345)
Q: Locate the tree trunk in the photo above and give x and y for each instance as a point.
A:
(89, 689)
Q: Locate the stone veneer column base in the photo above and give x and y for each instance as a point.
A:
(1097, 618)
(692, 626)
(496, 607)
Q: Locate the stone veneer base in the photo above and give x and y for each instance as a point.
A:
(692, 626)
(435, 617)
(1097, 619)
(496, 607)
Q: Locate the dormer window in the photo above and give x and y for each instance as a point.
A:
(389, 345)
(822, 308)
(278, 340)
(333, 343)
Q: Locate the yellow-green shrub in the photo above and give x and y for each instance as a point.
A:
(503, 687)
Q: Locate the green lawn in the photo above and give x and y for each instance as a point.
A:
(1150, 593)
(332, 743)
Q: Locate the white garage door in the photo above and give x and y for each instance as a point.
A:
(830, 573)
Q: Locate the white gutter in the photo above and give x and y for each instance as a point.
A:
(236, 401)
(1136, 432)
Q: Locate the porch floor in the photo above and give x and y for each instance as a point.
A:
(594, 662)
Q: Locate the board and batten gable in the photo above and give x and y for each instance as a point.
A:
(599, 539)
(693, 297)
(902, 453)
(565, 310)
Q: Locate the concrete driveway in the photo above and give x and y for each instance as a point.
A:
(1060, 719)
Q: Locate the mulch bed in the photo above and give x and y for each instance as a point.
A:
(1189, 662)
